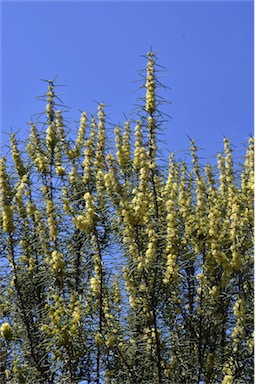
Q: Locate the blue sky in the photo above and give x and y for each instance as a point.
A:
(95, 49)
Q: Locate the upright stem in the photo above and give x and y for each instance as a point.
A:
(152, 151)
(101, 312)
(42, 370)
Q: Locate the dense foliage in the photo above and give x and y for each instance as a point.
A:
(115, 269)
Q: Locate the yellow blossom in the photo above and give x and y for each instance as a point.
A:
(57, 262)
(6, 331)
(228, 379)
(99, 339)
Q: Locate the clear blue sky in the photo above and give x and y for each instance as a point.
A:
(95, 49)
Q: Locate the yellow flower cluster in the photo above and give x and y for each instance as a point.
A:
(57, 262)
(66, 203)
(31, 208)
(216, 226)
(171, 268)
(170, 196)
(99, 339)
(129, 283)
(128, 218)
(51, 137)
(101, 188)
(60, 126)
(152, 141)
(35, 151)
(21, 170)
(222, 176)
(123, 145)
(112, 335)
(239, 313)
(64, 321)
(60, 144)
(228, 162)
(137, 212)
(50, 106)
(200, 193)
(110, 341)
(149, 336)
(82, 130)
(194, 155)
(96, 281)
(5, 187)
(212, 222)
(6, 193)
(18, 198)
(51, 217)
(235, 218)
(228, 370)
(6, 331)
(100, 147)
(172, 242)
(171, 185)
(126, 144)
(31, 264)
(76, 311)
(248, 173)
(95, 285)
(73, 175)
(60, 170)
(99, 161)
(116, 292)
(89, 153)
(247, 184)
(139, 152)
(134, 301)
(150, 85)
(225, 166)
(151, 248)
(86, 221)
(228, 379)
(41, 162)
(112, 184)
(79, 142)
(202, 287)
(201, 214)
(7, 215)
(215, 291)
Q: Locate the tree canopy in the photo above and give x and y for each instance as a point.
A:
(116, 268)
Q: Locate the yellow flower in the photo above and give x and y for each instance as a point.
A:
(110, 341)
(214, 291)
(6, 331)
(95, 285)
(57, 262)
(99, 339)
(60, 170)
(228, 379)
(16, 157)
(7, 219)
(76, 316)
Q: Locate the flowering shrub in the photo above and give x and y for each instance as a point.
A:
(117, 270)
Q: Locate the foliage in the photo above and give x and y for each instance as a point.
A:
(116, 269)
